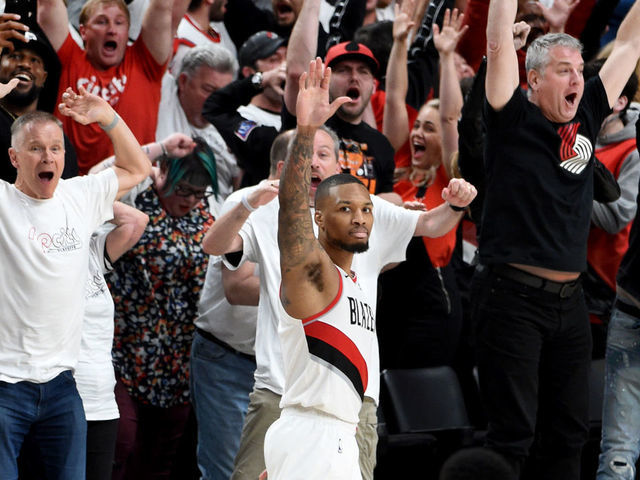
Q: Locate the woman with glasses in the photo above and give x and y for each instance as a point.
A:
(155, 287)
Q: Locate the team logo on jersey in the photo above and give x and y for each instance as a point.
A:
(575, 149)
(244, 129)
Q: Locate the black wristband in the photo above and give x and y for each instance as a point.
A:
(456, 209)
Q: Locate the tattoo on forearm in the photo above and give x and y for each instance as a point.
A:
(295, 232)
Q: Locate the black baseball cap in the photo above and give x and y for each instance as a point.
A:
(258, 46)
(39, 44)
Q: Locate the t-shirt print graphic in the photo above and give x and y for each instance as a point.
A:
(575, 149)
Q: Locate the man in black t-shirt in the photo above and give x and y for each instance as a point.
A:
(533, 337)
(247, 111)
(364, 151)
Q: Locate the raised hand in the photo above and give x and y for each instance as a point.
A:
(5, 88)
(447, 39)
(459, 192)
(275, 78)
(267, 190)
(86, 108)
(403, 22)
(312, 106)
(520, 33)
(178, 145)
(10, 28)
(558, 14)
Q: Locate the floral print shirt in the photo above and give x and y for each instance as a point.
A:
(155, 288)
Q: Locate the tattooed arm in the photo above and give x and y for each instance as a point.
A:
(309, 280)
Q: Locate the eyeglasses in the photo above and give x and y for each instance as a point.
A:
(183, 191)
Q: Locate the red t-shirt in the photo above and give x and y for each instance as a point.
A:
(132, 88)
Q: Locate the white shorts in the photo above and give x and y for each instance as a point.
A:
(308, 444)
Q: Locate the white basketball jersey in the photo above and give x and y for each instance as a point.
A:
(327, 357)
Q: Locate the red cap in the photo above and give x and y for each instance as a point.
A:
(351, 51)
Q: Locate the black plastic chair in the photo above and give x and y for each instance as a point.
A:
(424, 419)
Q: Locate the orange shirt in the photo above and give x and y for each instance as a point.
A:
(439, 249)
(132, 88)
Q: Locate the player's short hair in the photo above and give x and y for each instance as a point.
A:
(477, 463)
(333, 181)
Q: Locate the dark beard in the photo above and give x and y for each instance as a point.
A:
(23, 99)
(353, 247)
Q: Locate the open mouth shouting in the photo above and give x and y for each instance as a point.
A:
(285, 14)
(46, 177)
(353, 93)
(571, 99)
(315, 181)
(109, 48)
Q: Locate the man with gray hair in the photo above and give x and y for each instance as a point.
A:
(204, 69)
(533, 338)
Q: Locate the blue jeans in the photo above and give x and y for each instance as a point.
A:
(220, 383)
(620, 444)
(51, 414)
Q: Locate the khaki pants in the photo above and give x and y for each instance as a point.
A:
(264, 409)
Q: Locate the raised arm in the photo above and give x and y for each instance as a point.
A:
(130, 224)
(302, 47)
(438, 221)
(309, 279)
(395, 118)
(450, 93)
(222, 237)
(623, 58)
(131, 164)
(558, 14)
(502, 61)
(176, 145)
(54, 21)
(159, 25)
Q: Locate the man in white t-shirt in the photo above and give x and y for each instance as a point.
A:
(204, 70)
(256, 240)
(222, 354)
(46, 225)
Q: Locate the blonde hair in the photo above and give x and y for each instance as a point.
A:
(90, 6)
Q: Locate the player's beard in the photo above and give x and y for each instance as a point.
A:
(349, 247)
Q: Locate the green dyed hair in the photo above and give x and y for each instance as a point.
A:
(198, 168)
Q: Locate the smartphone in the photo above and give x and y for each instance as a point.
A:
(27, 9)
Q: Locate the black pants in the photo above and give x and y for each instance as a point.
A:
(533, 352)
(101, 446)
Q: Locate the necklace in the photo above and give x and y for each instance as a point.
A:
(13, 117)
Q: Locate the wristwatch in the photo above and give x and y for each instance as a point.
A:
(256, 80)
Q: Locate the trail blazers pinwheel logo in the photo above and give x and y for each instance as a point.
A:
(575, 149)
